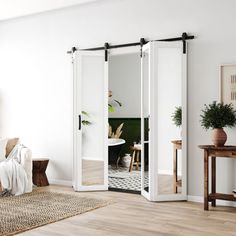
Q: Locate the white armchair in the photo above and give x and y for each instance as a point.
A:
(26, 160)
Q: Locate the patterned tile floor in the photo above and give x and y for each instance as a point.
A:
(122, 179)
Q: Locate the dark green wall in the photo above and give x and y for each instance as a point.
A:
(131, 131)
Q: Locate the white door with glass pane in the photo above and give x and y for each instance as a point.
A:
(164, 86)
(90, 154)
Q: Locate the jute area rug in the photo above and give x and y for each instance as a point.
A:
(28, 211)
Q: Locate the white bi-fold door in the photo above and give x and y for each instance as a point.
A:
(90, 154)
(163, 86)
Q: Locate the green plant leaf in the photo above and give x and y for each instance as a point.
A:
(177, 116)
(119, 103)
(86, 122)
(85, 113)
(110, 108)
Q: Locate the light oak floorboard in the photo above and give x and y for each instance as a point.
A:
(132, 215)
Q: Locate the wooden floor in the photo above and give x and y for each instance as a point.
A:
(132, 215)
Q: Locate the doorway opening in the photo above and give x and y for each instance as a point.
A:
(145, 104)
(124, 119)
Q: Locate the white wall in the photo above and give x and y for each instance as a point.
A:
(125, 84)
(14, 8)
(35, 74)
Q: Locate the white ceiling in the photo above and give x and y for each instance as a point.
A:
(15, 8)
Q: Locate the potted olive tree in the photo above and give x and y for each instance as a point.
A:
(218, 116)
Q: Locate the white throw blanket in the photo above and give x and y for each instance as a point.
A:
(13, 177)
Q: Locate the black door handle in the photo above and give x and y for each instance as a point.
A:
(79, 122)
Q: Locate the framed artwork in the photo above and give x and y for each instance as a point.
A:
(228, 84)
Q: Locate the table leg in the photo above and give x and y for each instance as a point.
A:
(213, 178)
(137, 161)
(131, 162)
(175, 176)
(206, 180)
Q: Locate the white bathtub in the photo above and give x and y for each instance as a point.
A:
(115, 141)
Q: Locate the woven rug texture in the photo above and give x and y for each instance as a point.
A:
(28, 211)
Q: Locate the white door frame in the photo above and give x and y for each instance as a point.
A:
(151, 194)
(77, 133)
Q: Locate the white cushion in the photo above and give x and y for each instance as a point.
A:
(3, 144)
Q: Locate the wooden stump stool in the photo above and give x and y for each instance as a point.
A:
(136, 157)
(39, 176)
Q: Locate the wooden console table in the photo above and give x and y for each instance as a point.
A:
(213, 152)
(177, 145)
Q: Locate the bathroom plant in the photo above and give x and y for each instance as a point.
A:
(117, 133)
(218, 116)
(112, 102)
(111, 108)
(177, 116)
(84, 120)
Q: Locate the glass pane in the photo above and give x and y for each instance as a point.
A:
(124, 162)
(92, 120)
(146, 117)
(169, 120)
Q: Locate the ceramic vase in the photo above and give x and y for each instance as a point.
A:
(126, 160)
(219, 137)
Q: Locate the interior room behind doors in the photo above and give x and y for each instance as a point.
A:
(124, 159)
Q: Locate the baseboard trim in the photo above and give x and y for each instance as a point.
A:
(200, 199)
(60, 182)
(167, 172)
(191, 198)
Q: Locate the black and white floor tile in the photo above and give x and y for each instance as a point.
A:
(121, 178)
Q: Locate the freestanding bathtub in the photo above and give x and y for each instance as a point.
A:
(114, 148)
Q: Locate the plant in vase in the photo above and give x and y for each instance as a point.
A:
(218, 116)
